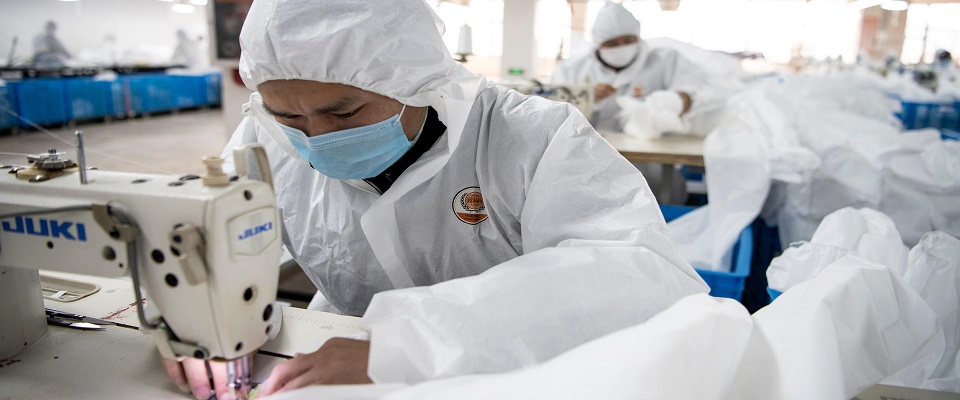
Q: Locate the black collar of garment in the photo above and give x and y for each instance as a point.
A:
(615, 69)
(432, 130)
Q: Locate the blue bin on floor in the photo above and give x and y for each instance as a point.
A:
(919, 115)
(42, 101)
(149, 93)
(212, 89)
(773, 294)
(189, 90)
(88, 98)
(8, 105)
(947, 134)
(723, 284)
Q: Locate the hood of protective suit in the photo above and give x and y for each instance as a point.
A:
(614, 20)
(390, 47)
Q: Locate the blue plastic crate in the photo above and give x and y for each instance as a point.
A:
(690, 174)
(8, 104)
(41, 101)
(189, 90)
(149, 93)
(773, 294)
(919, 115)
(956, 111)
(87, 98)
(723, 284)
(947, 134)
(212, 86)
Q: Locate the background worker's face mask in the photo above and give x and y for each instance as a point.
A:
(620, 56)
(356, 153)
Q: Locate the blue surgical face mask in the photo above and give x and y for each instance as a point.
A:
(356, 153)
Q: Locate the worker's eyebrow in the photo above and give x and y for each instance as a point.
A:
(276, 113)
(342, 104)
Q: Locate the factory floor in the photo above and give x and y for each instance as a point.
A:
(159, 144)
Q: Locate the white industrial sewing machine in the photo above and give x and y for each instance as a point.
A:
(580, 95)
(205, 251)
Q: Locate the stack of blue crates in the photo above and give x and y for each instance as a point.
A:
(156, 93)
(8, 105)
(88, 98)
(149, 93)
(723, 284)
(42, 101)
(918, 115)
(189, 91)
(212, 87)
(47, 101)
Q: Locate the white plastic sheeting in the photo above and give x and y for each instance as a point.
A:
(864, 233)
(934, 272)
(931, 270)
(800, 147)
(852, 326)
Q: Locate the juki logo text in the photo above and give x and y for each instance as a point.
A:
(47, 228)
(251, 232)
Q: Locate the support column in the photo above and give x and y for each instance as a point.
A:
(882, 31)
(519, 39)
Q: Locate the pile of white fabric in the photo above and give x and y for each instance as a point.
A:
(859, 311)
(822, 144)
(931, 269)
(852, 324)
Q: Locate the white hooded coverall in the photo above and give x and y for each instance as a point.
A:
(568, 246)
(654, 68)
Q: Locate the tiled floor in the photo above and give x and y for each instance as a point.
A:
(160, 144)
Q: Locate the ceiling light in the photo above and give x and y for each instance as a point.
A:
(198, 2)
(894, 5)
(183, 8)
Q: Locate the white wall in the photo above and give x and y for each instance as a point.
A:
(144, 27)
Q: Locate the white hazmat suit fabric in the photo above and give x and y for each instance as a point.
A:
(567, 244)
(654, 69)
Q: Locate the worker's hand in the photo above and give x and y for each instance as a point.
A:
(191, 376)
(602, 91)
(338, 361)
(666, 101)
(647, 121)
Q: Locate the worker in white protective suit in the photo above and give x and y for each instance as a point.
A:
(187, 52)
(474, 228)
(48, 52)
(624, 65)
(947, 74)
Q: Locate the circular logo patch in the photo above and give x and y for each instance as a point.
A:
(468, 206)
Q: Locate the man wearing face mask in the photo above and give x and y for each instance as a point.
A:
(475, 229)
(947, 74)
(623, 65)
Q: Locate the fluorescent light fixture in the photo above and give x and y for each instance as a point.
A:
(198, 2)
(183, 8)
(894, 5)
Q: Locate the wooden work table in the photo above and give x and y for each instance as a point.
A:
(667, 151)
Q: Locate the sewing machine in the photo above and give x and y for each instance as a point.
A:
(204, 250)
(580, 95)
